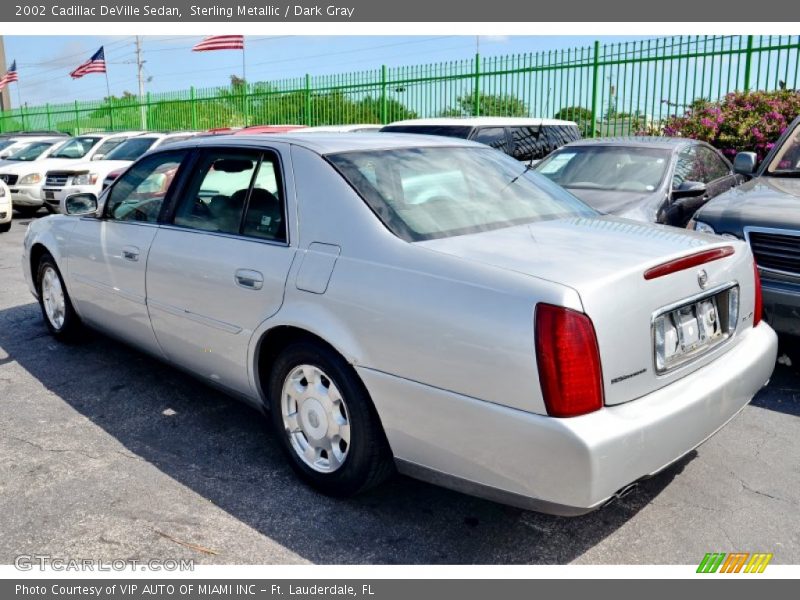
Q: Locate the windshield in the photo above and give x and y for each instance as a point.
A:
(616, 168)
(30, 151)
(787, 159)
(76, 148)
(427, 193)
(131, 149)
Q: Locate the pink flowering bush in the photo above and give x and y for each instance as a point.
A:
(740, 121)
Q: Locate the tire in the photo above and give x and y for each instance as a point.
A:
(57, 310)
(5, 227)
(27, 211)
(364, 460)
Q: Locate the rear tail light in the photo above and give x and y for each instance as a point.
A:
(568, 360)
(758, 305)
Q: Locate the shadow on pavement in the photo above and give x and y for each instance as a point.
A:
(221, 449)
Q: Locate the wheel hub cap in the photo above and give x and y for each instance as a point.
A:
(53, 298)
(315, 418)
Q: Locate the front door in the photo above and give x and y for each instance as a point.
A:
(219, 269)
(108, 256)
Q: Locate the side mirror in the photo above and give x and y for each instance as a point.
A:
(745, 163)
(79, 204)
(98, 157)
(689, 189)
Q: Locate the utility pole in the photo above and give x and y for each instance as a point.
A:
(140, 72)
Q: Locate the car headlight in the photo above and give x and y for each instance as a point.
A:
(700, 226)
(30, 179)
(85, 179)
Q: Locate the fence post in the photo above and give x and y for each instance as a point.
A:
(245, 106)
(748, 60)
(147, 107)
(22, 113)
(193, 105)
(308, 99)
(595, 76)
(49, 122)
(384, 99)
(476, 110)
(77, 120)
(111, 113)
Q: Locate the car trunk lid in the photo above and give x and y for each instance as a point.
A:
(605, 259)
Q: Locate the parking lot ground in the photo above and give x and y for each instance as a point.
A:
(106, 453)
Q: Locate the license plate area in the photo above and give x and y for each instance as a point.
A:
(693, 327)
(48, 195)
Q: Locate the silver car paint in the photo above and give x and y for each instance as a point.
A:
(441, 332)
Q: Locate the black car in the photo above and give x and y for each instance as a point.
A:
(526, 139)
(765, 211)
(652, 179)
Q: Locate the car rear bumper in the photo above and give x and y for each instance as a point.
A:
(564, 466)
(781, 305)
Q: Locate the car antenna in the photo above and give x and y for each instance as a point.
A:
(541, 126)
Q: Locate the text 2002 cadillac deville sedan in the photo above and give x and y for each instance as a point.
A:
(418, 302)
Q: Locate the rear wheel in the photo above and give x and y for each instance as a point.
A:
(59, 315)
(325, 421)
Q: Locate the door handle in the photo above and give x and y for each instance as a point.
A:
(250, 280)
(130, 253)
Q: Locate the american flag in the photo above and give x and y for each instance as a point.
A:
(96, 64)
(10, 76)
(220, 42)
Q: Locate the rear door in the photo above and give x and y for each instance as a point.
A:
(218, 269)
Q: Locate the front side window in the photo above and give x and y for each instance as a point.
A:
(614, 168)
(698, 163)
(787, 158)
(107, 146)
(139, 194)
(76, 148)
(713, 165)
(434, 192)
(235, 192)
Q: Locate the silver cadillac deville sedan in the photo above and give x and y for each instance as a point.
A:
(415, 302)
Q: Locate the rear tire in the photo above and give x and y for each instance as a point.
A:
(325, 421)
(5, 227)
(57, 310)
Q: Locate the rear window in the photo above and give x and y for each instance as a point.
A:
(456, 131)
(531, 144)
(428, 193)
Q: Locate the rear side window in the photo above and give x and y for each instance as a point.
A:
(529, 143)
(456, 131)
(492, 136)
(235, 192)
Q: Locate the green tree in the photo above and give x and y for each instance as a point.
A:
(489, 105)
(579, 115)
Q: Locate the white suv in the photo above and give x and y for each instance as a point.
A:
(27, 179)
(5, 208)
(87, 177)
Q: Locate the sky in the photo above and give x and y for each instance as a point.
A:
(44, 62)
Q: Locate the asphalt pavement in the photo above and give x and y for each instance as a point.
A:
(107, 453)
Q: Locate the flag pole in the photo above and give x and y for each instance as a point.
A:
(244, 87)
(110, 100)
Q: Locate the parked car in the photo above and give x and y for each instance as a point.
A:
(5, 208)
(652, 179)
(351, 128)
(10, 145)
(32, 150)
(525, 139)
(26, 179)
(496, 335)
(267, 129)
(765, 212)
(89, 177)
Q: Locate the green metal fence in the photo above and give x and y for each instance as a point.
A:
(609, 89)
